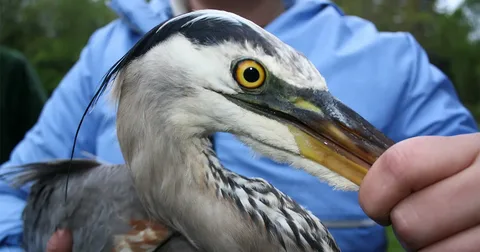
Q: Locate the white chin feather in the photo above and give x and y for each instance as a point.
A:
(322, 173)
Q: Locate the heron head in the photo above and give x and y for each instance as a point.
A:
(212, 71)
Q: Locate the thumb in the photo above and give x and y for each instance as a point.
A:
(61, 241)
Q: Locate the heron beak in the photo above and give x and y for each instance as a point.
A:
(326, 131)
(333, 135)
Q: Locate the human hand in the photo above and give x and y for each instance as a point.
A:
(428, 189)
(61, 241)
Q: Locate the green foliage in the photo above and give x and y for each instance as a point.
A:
(393, 244)
(51, 33)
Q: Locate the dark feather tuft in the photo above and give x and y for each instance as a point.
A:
(45, 171)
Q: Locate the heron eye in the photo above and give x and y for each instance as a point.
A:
(249, 74)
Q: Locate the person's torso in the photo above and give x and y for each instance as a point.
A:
(358, 69)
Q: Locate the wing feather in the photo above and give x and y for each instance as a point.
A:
(102, 209)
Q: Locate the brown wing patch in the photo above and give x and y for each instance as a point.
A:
(144, 236)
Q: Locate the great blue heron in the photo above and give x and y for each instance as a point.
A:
(199, 73)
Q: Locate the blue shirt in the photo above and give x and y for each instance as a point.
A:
(386, 77)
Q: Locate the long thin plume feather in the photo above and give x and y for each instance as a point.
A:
(139, 49)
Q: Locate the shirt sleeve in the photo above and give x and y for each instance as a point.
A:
(50, 138)
(429, 103)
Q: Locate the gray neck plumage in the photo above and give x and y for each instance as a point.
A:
(183, 184)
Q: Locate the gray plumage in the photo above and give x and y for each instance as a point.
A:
(103, 201)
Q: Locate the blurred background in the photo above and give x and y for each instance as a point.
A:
(49, 35)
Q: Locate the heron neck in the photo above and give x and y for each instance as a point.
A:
(184, 185)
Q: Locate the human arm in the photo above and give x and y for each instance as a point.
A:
(50, 138)
(429, 104)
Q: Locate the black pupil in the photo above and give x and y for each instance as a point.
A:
(251, 74)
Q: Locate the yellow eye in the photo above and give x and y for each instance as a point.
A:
(249, 74)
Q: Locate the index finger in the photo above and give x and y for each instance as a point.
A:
(412, 165)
